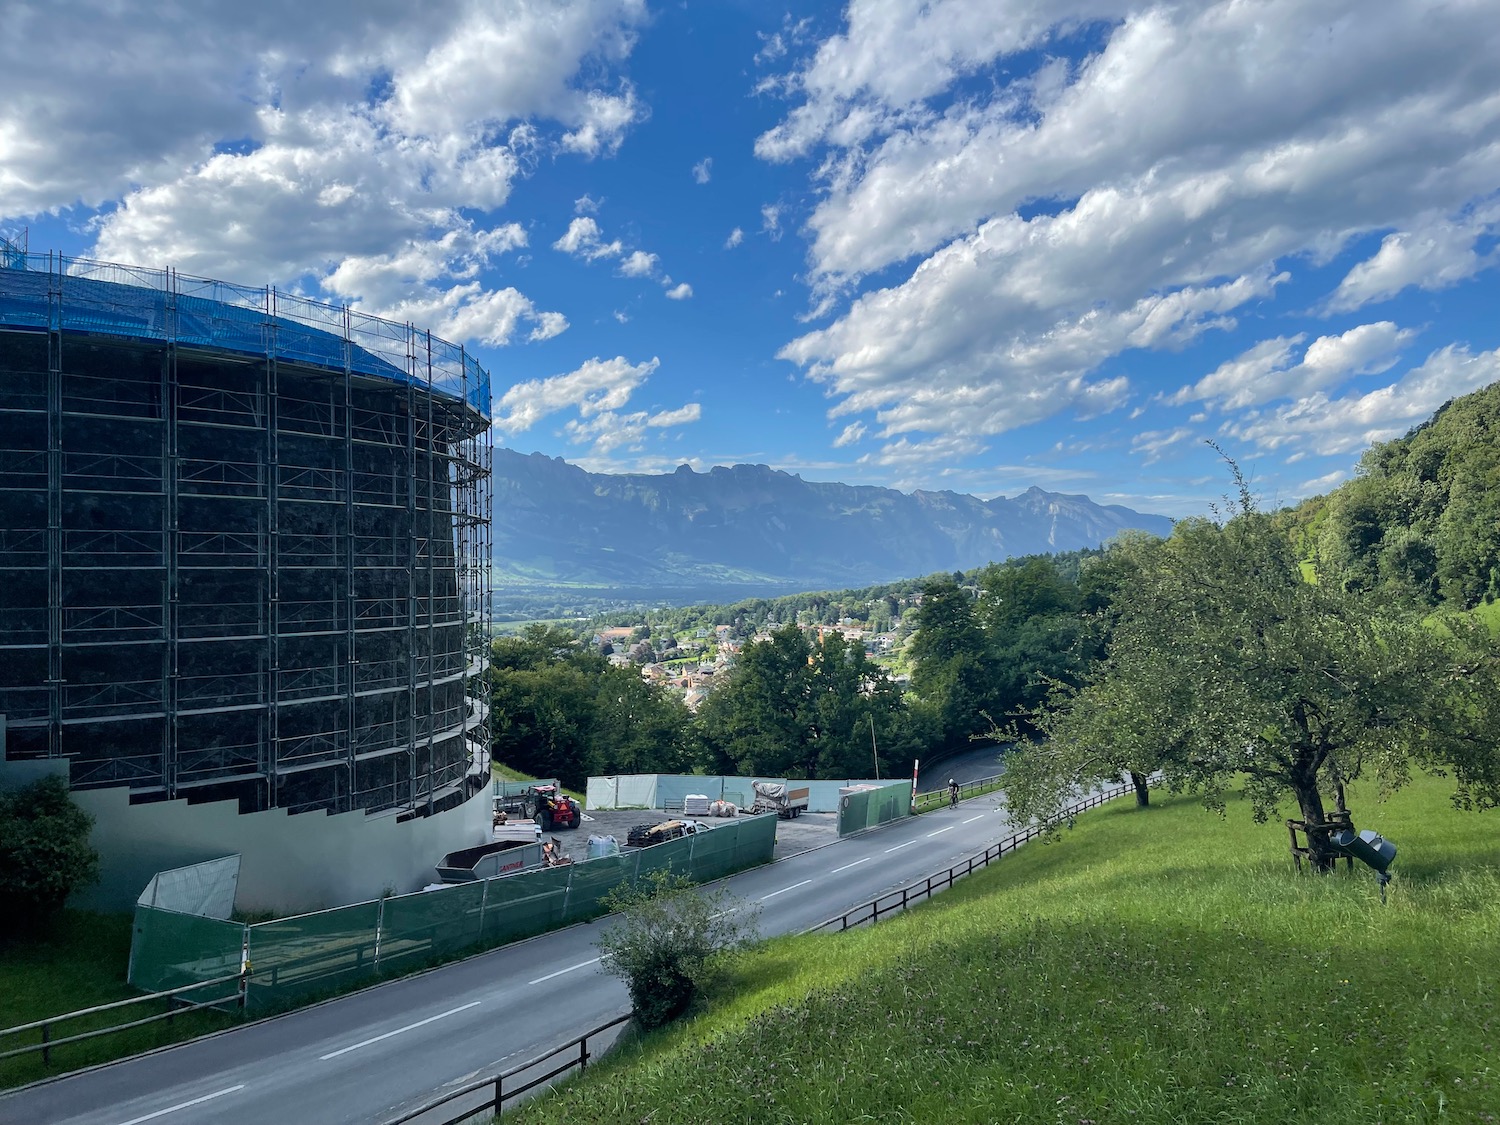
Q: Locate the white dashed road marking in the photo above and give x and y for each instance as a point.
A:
(398, 1031)
(560, 972)
(784, 890)
(846, 866)
(183, 1105)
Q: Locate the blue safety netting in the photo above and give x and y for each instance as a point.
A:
(73, 294)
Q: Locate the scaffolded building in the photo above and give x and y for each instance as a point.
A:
(244, 543)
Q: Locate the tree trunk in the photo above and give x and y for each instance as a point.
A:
(1310, 801)
(1142, 793)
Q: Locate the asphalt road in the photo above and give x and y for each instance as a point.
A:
(368, 1056)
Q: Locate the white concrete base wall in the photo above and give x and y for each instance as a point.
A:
(289, 864)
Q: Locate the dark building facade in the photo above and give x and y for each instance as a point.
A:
(244, 543)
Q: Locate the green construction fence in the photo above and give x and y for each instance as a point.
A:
(865, 808)
(291, 959)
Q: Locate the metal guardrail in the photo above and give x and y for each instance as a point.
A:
(496, 1083)
(45, 1026)
(936, 798)
(896, 901)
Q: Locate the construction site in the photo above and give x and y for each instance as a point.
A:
(244, 544)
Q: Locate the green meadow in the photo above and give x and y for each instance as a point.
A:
(1156, 965)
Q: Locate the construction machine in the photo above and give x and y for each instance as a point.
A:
(551, 808)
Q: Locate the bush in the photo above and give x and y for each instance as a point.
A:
(668, 939)
(44, 853)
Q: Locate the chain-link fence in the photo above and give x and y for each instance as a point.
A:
(290, 959)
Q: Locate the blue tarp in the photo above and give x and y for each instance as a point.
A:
(142, 312)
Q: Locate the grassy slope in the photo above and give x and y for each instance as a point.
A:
(1160, 965)
(80, 964)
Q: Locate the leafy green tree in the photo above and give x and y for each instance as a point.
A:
(952, 673)
(668, 940)
(640, 727)
(1032, 622)
(755, 721)
(793, 708)
(44, 853)
(1226, 667)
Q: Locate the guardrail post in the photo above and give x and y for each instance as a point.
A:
(499, 1092)
(46, 1050)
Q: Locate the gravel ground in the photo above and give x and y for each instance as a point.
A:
(810, 830)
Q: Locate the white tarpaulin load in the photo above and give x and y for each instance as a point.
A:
(695, 804)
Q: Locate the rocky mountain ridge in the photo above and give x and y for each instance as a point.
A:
(751, 526)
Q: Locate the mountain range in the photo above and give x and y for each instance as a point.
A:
(748, 528)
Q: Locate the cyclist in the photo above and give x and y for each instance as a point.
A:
(952, 794)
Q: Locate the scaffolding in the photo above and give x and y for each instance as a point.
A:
(244, 542)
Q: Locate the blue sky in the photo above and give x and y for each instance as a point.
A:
(964, 245)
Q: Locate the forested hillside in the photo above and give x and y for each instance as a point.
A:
(1422, 519)
(1419, 527)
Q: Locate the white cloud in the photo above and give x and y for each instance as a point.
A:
(1436, 255)
(586, 205)
(1266, 372)
(851, 434)
(736, 236)
(638, 264)
(599, 386)
(1154, 443)
(703, 170)
(605, 117)
(910, 463)
(1153, 214)
(1322, 484)
(584, 240)
(608, 430)
(770, 220)
(291, 143)
(680, 292)
(1345, 424)
(692, 412)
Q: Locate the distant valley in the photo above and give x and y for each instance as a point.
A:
(749, 530)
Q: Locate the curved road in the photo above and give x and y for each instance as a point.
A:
(368, 1056)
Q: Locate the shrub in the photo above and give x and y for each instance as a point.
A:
(668, 939)
(44, 853)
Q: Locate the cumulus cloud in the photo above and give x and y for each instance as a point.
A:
(1434, 255)
(638, 264)
(736, 236)
(302, 144)
(433, 283)
(1347, 423)
(692, 412)
(850, 434)
(599, 386)
(584, 240)
(1266, 372)
(1055, 192)
(607, 431)
(703, 171)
